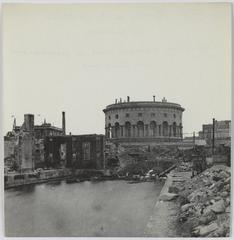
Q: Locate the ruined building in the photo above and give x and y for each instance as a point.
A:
(148, 122)
(43, 130)
(24, 145)
(75, 151)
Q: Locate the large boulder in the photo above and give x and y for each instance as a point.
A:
(207, 217)
(204, 230)
(227, 188)
(190, 224)
(227, 181)
(224, 194)
(168, 196)
(218, 207)
(194, 196)
(186, 207)
(224, 174)
(207, 209)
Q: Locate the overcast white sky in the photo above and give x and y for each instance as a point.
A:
(79, 58)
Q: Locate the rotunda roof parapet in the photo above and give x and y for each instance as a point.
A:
(142, 105)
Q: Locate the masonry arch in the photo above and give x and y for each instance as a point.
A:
(117, 130)
(174, 129)
(181, 130)
(165, 128)
(127, 129)
(140, 129)
(109, 135)
(153, 129)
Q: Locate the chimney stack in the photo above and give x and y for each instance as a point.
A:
(28, 122)
(14, 124)
(63, 123)
(154, 98)
(128, 99)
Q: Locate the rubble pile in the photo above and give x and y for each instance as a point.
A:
(140, 159)
(184, 167)
(205, 203)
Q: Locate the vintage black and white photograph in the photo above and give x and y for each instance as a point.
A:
(117, 119)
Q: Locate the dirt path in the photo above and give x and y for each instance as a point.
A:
(163, 222)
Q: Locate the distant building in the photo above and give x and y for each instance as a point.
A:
(195, 141)
(9, 150)
(46, 129)
(222, 132)
(143, 122)
(43, 130)
(24, 145)
(75, 151)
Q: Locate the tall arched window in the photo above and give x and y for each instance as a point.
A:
(108, 131)
(165, 128)
(117, 130)
(181, 130)
(153, 128)
(174, 129)
(127, 129)
(140, 129)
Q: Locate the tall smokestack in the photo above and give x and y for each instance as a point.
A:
(63, 123)
(128, 99)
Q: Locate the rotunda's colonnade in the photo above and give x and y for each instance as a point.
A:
(144, 120)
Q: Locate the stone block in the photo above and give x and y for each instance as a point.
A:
(205, 230)
(186, 207)
(218, 207)
(168, 196)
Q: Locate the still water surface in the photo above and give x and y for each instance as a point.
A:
(102, 209)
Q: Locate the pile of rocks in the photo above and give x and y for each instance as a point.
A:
(184, 167)
(205, 203)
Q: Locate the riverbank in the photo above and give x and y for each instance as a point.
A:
(163, 222)
(205, 203)
(15, 179)
(19, 180)
(193, 207)
(34, 182)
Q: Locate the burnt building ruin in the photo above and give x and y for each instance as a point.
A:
(75, 151)
(24, 145)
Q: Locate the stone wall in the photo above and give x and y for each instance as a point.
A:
(27, 148)
(9, 143)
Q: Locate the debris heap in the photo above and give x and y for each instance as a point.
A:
(205, 203)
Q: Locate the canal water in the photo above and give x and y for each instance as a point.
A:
(88, 209)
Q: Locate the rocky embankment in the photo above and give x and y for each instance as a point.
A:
(204, 203)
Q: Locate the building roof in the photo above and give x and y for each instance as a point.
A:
(47, 126)
(143, 104)
(41, 127)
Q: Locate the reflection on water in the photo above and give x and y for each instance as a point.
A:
(54, 183)
(110, 208)
(23, 190)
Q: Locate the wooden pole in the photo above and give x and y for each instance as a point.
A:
(213, 136)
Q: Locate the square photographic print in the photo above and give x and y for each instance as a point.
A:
(117, 119)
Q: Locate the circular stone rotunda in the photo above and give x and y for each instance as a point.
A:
(143, 121)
